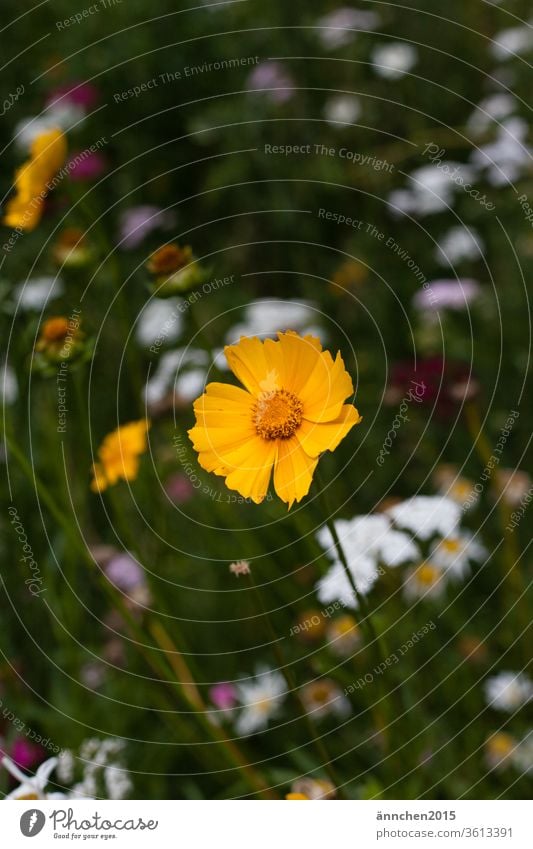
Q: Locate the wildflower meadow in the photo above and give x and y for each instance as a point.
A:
(266, 423)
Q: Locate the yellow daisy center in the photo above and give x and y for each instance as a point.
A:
(501, 744)
(427, 574)
(451, 545)
(277, 415)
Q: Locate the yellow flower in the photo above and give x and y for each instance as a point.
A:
(119, 454)
(291, 410)
(297, 797)
(499, 749)
(47, 154)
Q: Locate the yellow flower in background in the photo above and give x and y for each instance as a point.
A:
(47, 154)
(291, 410)
(119, 453)
(297, 797)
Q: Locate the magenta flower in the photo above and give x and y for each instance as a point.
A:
(25, 754)
(223, 696)
(80, 94)
(86, 165)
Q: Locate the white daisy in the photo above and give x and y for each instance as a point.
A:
(117, 782)
(491, 110)
(393, 60)
(57, 116)
(266, 316)
(32, 787)
(9, 389)
(172, 373)
(431, 189)
(454, 552)
(342, 109)
(458, 244)
(508, 691)
(427, 515)
(511, 41)
(339, 27)
(522, 756)
(260, 698)
(369, 537)
(335, 586)
(506, 158)
(426, 581)
(65, 766)
(34, 294)
(500, 750)
(160, 322)
(324, 698)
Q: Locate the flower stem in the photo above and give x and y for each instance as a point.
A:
(192, 696)
(116, 600)
(294, 692)
(511, 554)
(374, 639)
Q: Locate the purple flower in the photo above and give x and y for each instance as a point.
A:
(179, 488)
(83, 95)
(138, 221)
(223, 696)
(337, 27)
(446, 294)
(86, 165)
(123, 571)
(25, 754)
(272, 75)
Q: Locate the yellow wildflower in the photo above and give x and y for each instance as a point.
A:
(291, 410)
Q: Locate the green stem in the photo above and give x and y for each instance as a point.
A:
(510, 550)
(295, 693)
(231, 750)
(374, 639)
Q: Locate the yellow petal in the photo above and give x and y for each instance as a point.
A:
(248, 363)
(293, 471)
(253, 483)
(326, 390)
(316, 437)
(49, 151)
(220, 438)
(99, 481)
(299, 355)
(22, 214)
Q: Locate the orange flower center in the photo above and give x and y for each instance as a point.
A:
(169, 258)
(321, 694)
(277, 414)
(71, 238)
(55, 329)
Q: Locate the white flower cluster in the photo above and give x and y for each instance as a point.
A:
(508, 691)
(422, 531)
(260, 699)
(103, 773)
